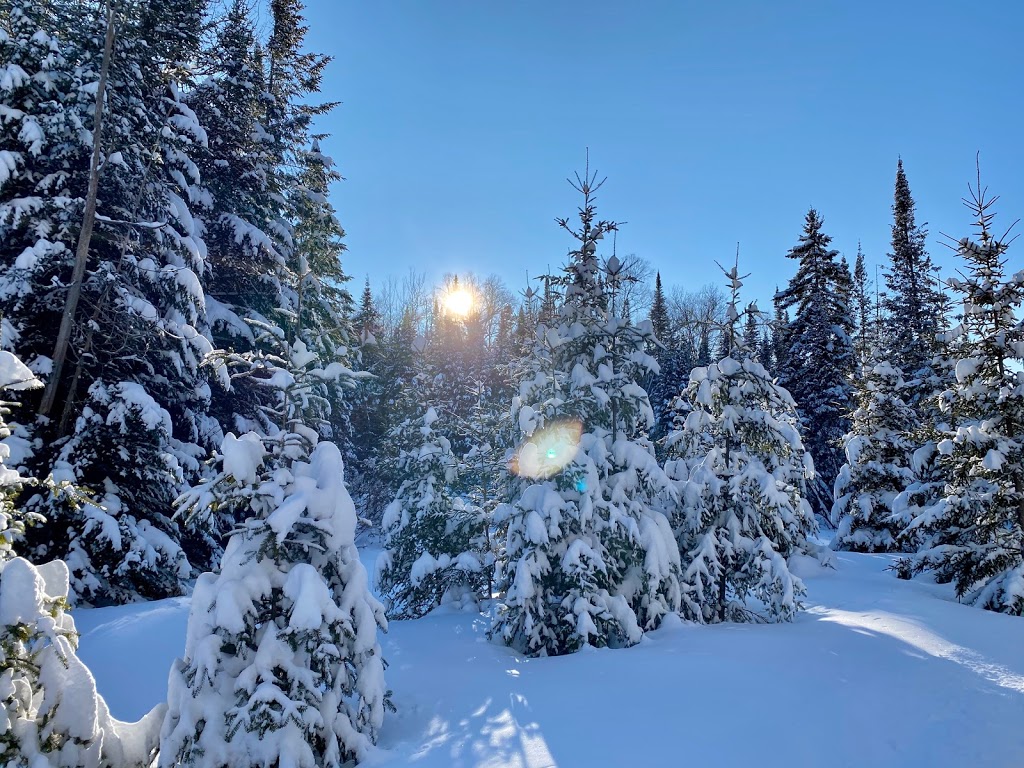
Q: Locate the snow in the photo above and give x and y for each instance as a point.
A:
(876, 671)
(243, 456)
(14, 374)
(133, 397)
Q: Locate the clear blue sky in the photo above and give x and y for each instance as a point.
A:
(715, 122)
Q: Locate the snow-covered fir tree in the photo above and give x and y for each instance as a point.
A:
(742, 471)
(862, 306)
(818, 359)
(135, 337)
(974, 534)
(434, 545)
(282, 662)
(273, 239)
(766, 351)
(779, 333)
(238, 208)
(484, 478)
(934, 423)
(914, 297)
(52, 714)
(673, 363)
(589, 558)
(878, 464)
(14, 377)
(369, 421)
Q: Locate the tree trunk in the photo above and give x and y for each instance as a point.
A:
(67, 322)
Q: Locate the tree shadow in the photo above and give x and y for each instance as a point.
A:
(827, 689)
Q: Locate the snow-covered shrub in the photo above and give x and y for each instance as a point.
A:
(52, 714)
(878, 468)
(434, 541)
(742, 470)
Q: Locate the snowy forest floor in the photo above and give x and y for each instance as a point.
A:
(876, 672)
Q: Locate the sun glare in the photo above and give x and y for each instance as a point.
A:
(459, 302)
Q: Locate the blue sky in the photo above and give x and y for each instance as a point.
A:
(715, 122)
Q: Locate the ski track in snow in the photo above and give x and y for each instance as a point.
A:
(875, 672)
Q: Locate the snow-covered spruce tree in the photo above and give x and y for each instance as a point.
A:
(742, 471)
(878, 464)
(282, 663)
(41, 148)
(914, 297)
(138, 324)
(273, 239)
(369, 422)
(236, 208)
(673, 364)
(434, 540)
(589, 558)
(484, 478)
(779, 335)
(14, 377)
(862, 305)
(935, 422)
(818, 362)
(124, 544)
(974, 534)
(51, 712)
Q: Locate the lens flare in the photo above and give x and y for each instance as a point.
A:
(549, 450)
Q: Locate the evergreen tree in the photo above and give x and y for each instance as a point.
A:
(818, 360)
(742, 470)
(368, 415)
(751, 335)
(500, 356)
(40, 192)
(766, 351)
(878, 464)
(673, 364)
(136, 337)
(52, 714)
(282, 642)
(240, 207)
(484, 478)
(659, 312)
(913, 292)
(14, 377)
(779, 334)
(323, 304)
(434, 541)
(589, 559)
(974, 535)
(865, 339)
(704, 351)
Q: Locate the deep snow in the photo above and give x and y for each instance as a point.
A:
(875, 672)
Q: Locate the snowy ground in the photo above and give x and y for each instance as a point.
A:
(877, 672)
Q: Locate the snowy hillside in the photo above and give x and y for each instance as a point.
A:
(876, 672)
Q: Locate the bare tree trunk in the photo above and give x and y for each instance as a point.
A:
(67, 322)
(69, 400)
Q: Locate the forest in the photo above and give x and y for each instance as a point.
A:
(200, 401)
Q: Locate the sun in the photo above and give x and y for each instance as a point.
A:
(458, 302)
